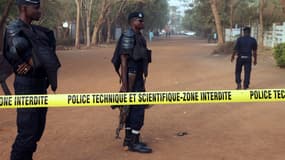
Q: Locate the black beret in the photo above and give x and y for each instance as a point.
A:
(136, 15)
(28, 2)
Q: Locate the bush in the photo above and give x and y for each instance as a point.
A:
(226, 48)
(279, 54)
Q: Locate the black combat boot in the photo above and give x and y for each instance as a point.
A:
(134, 146)
(138, 140)
(127, 139)
(238, 86)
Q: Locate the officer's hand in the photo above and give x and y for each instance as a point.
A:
(23, 68)
(232, 59)
(123, 89)
(30, 62)
(255, 62)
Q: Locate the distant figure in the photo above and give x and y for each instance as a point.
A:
(209, 37)
(150, 36)
(167, 32)
(245, 48)
(215, 37)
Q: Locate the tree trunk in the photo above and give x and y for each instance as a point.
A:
(88, 21)
(109, 30)
(88, 34)
(232, 16)
(96, 31)
(100, 36)
(232, 4)
(77, 34)
(111, 20)
(105, 8)
(231, 20)
(282, 2)
(261, 24)
(3, 20)
(83, 25)
(217, 21)
(95, 35)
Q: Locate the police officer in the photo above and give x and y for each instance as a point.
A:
(245, 48)
(35, 67)
(134, 57)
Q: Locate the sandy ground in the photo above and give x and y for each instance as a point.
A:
(241, 131)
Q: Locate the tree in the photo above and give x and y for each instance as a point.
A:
(261, 23)
(114, 13)
(157, 14)
(246, 13)
(282, 2)
(105, 6)
(217, 21)
(232, 4)
(77, 35)
(112, 10)
(3, 19)
(88, 5)
(67, 16)
(199, 19)
(92, 17)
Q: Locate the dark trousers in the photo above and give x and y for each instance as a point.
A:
(246, 63)
(135, 119)
(30, 122)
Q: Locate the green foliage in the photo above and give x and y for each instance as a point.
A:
(246, 12)
(199, 18)
(279, 54)
(54, 12)
(273, 13)
(156, 13)
(13, 11)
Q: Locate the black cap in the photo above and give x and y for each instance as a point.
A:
(28, 2)
(246, 29)
(135, 15)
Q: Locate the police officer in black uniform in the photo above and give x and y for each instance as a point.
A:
(245, 48)
(30, 49)
(134, 57)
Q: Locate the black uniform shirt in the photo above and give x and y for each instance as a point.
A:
(133, 65)
(13, 30)
(245, 45)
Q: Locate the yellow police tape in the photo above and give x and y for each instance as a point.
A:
(140, 98)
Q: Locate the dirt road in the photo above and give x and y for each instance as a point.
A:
(215, 131)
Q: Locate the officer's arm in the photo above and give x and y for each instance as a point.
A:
(254, 53)
(17, 45)
(234, 54)
(124, 72)
(127, 45)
